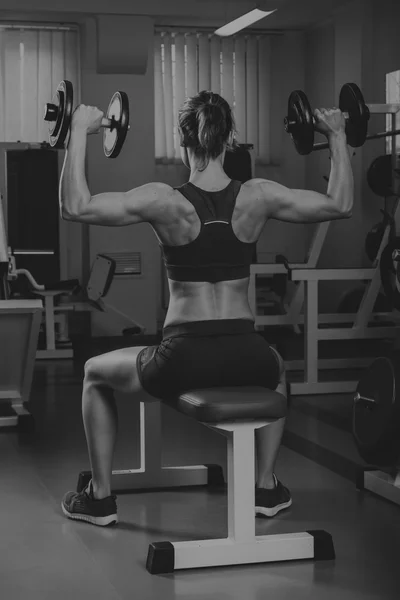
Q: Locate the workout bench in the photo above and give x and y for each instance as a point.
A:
(235, 412)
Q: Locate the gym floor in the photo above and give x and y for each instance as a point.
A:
(44, 556)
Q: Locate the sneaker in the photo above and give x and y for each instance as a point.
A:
(82, 506)
(270, 502)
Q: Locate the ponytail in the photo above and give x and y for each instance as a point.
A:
(211, 129)
(206, 124)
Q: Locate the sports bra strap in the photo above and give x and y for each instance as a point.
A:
(212, 206)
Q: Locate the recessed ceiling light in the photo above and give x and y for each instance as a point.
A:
(243, 22)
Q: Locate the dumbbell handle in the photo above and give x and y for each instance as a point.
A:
(51, 112)
(372, 136)
(290, 124)
(109, 123)
(374, 109)
(293, 123)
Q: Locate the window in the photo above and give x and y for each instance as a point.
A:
(392, 97)
(33, 60)
(237, 68)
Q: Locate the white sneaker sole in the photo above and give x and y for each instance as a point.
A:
(100, 521)
(271, 512)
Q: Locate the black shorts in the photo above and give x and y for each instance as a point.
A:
(205, 354)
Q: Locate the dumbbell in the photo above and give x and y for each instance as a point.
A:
(300, 123)
(58, 114)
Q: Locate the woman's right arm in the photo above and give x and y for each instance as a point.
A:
(304, 206)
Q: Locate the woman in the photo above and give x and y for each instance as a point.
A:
(207, 230)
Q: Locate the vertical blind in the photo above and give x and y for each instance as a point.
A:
(33, 61)
(392, 97)
(239, 69)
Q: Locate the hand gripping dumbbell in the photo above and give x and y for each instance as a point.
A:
(58, 114)
(300, 122)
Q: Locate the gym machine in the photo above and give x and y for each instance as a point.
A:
(19, 332)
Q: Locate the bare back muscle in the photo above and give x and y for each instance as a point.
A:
(195, 301)
(179, 223)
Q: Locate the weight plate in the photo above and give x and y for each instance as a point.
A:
(114, 136)
(352, 102)
(299, 122)
(59, 114)
(379, 175)
(389, 270)
(376, 425)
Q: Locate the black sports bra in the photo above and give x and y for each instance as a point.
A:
(216, 254)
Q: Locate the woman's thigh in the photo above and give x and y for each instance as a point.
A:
(116, 369)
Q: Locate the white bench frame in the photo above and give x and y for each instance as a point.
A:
(151, 472)
(242, 545)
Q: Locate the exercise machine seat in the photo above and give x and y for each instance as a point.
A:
(218, 405)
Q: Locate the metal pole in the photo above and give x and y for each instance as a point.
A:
(372, 136)
(395, 160)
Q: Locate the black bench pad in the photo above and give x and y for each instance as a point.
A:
(223, 404)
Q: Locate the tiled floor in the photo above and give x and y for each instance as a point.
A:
(44, 556)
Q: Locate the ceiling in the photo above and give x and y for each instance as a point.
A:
(300, 14)
(290, 14)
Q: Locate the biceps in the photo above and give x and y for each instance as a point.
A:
(304, 206)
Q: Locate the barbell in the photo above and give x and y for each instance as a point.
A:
(376, 412)
(300, 123)
(58, 113)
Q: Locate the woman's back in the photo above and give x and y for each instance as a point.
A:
(223, 292)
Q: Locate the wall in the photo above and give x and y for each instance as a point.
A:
(288, 73)
(322, 58)
(320, 90)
